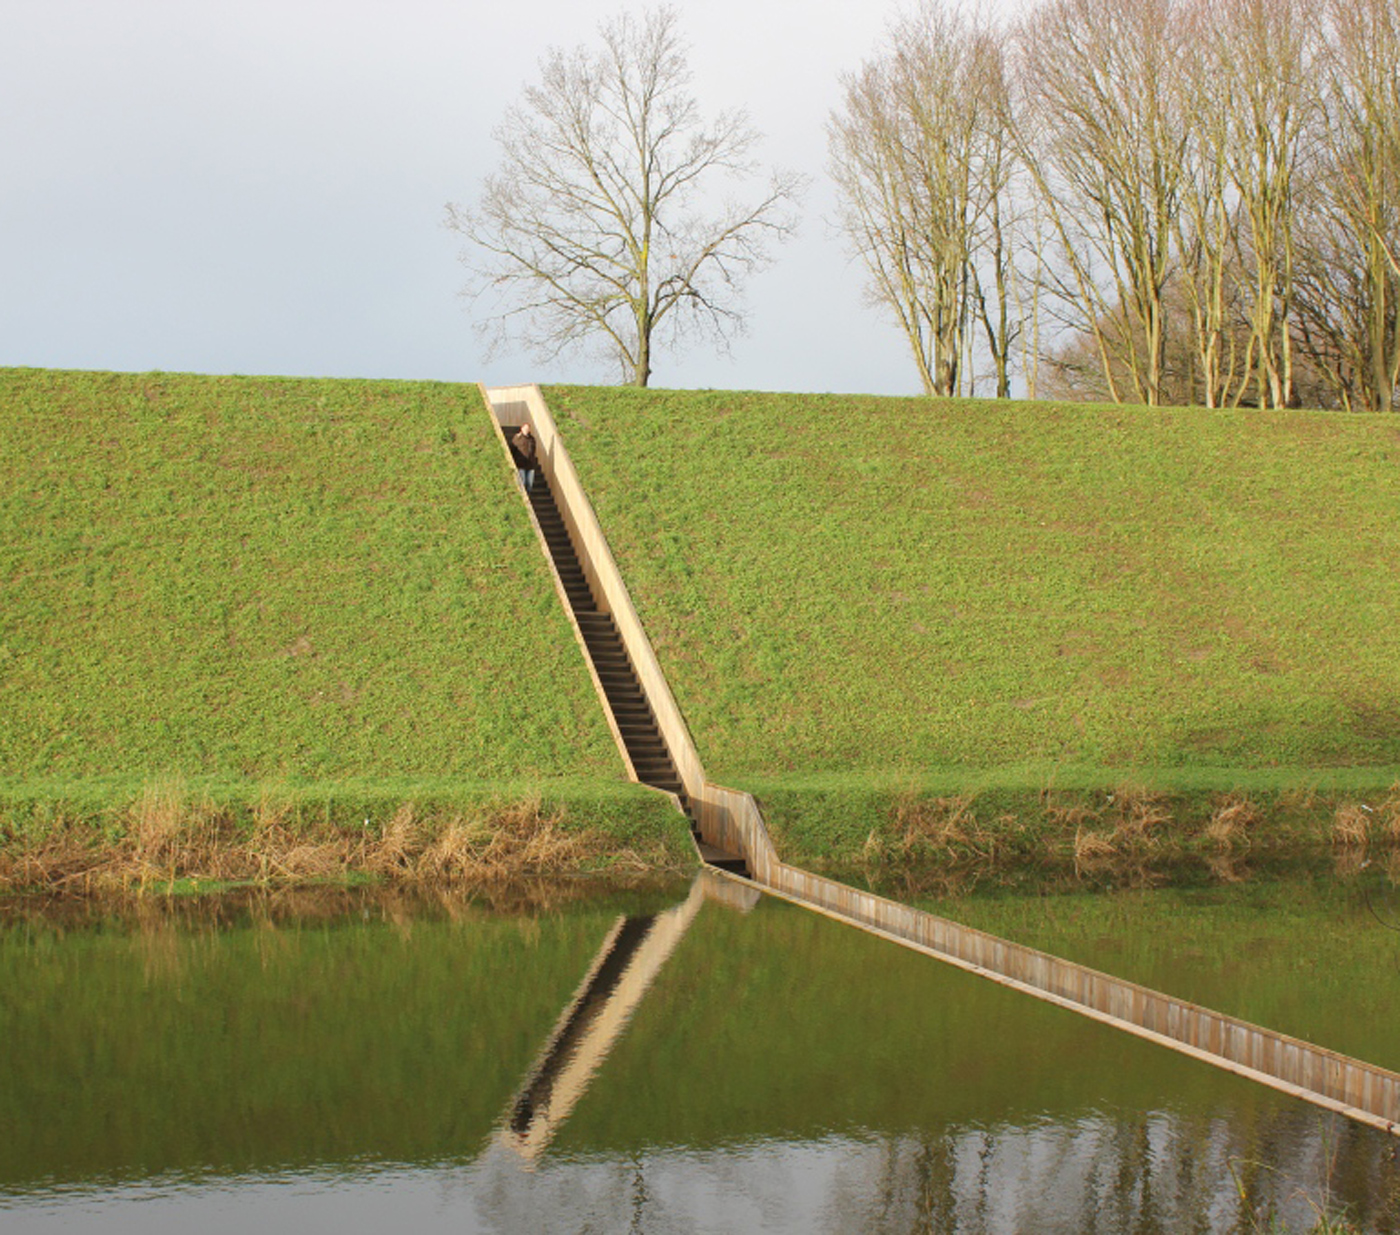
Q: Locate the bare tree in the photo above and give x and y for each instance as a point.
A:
(1000, 227)
(1349, 247)
(601, 226)
(1264, 53)
(921, 159)
(1107, 154)
(1208, 220)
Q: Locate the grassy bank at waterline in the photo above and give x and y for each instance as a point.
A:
(177, 836)
(315, 602)
(920, 630)
(880, 827)
(867, 598)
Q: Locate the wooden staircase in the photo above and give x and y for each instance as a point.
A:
(646, 748)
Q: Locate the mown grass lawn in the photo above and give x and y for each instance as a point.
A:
(910, 589)
(241, 582)
(326, 595)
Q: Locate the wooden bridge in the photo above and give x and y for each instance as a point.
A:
(730, 833)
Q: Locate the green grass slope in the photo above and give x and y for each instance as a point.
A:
(233, 583)
(1032, 594)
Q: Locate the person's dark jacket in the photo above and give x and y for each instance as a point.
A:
(522, 449)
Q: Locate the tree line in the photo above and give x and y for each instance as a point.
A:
(1151, 201)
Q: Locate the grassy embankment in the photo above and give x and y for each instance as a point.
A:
(276, 628)
(242, 617)
(918, 628)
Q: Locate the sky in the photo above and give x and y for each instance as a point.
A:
(259, 186)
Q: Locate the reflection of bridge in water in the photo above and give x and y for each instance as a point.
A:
(631, 955)
(1083, 1167)
(730, 832)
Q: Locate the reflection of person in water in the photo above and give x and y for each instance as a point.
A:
(523, 447)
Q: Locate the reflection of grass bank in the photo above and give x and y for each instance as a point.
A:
(171, 1037)
(1284, 946)
(173, 836)
(193, 1040)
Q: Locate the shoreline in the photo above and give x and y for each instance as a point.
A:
(852, 823)
(173, 837)
(172, 840)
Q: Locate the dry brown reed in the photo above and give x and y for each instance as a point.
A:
(1231, 820)
(165, 838)
(1351, 826)
(1097, 855)
(397, 844)
(1063, 817)
(872, 851)
(517, 840)
(1092, 849)
(947, 826)
(1387, 817)
(1137, 815)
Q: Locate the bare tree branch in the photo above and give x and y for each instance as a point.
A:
(1106, 150)
(600, 226)
(921, 159)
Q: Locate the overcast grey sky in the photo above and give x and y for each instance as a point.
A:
(258, 186)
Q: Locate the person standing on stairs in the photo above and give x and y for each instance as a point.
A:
(524, 447)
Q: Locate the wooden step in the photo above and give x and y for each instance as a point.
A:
(723, 859)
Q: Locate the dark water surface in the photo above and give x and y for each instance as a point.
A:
(361, 1061)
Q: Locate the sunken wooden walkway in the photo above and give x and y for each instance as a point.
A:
(731, 835)
(630, 714)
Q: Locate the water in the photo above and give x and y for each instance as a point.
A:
(364, 1061)
(1307, 950)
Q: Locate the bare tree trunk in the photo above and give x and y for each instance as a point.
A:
(1107, 156)
(641, 373)
(1355, 204)
(1264, 53)
(1202, 231)
(918, 154)
(1035, 282)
